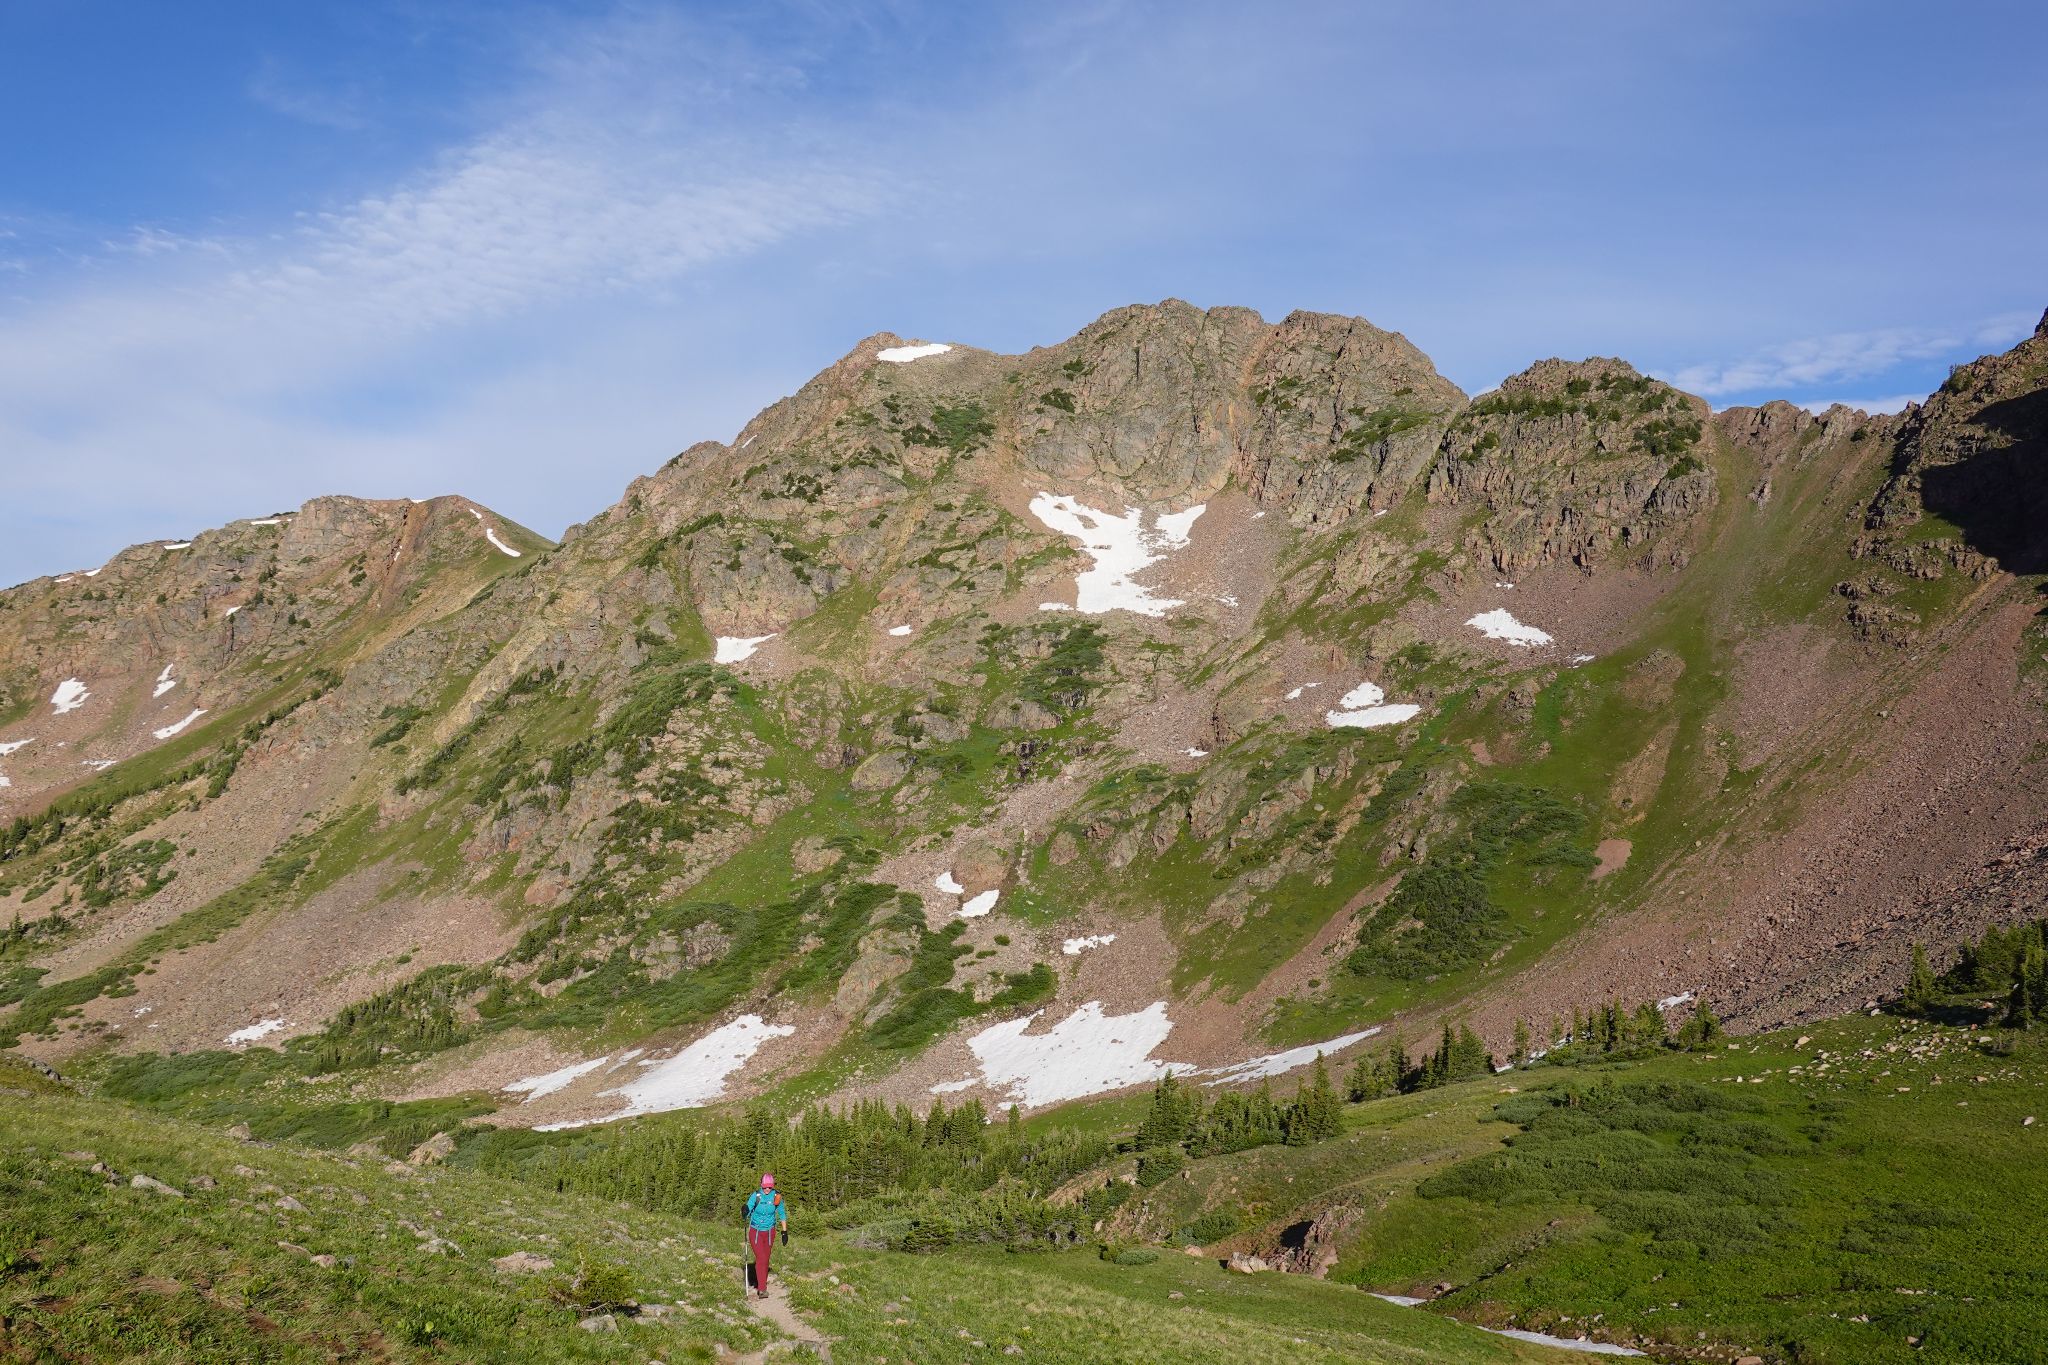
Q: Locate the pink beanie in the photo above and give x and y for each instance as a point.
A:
(767, 1182)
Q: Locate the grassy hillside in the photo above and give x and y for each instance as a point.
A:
(1867, 1191)
(93, 1268)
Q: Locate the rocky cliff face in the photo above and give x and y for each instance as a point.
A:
(1578, 463)
(1975, 455)
(1244, 672)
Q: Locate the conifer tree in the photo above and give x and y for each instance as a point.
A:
(1521, 1052)
(2016, 1011)
(1918, 997)
(1701, 1031)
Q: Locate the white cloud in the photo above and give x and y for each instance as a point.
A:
(1842, 356)
(558, 243)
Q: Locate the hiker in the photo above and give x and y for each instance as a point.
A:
(765, 1211)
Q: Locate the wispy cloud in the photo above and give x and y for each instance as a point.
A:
(1843, 357)
(300, 97)
(167, 368)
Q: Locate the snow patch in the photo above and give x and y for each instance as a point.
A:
(1278, 1063)
(1074, 947)
(491, 535)
(944, 881)
(695, 1076)
(261, 1029)
(1084, 1054)
(1054, 606)
(267, 521)
(1363, 708)
(903, 355)
(1500, 584)
(955, 1087)
(1091, 1051)
(69, 696)
(95, 573)
(11, 745)
(1586, 1344)
(178, 545)
(4, 782)
(733, 648)
(1295, 695)
(1672, 1002)
(170, 730)
(548, 1083)
(899, 630)
(229, 612)
(980, 905)
(1498, 624)
(1578, 659)
(1120, 547)
(98, 765)
(1192, 752)
(164, 681)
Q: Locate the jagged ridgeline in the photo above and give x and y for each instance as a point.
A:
(1198, 693)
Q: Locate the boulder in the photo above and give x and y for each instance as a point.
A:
(881, 771)
(523, 1263)
(435, 1149)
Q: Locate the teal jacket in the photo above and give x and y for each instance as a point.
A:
(765, 1209)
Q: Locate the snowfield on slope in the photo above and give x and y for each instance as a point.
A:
(733, 649)
(261, 1029)
(491, 534)
(69, 696)
(1500, 624)
(1074, 947)
(691, 1079)
(169, 730)
(1365, 707)
(164, 681)
(1121, 547)
(537, 1086)
(903, 355)
(1091, 1051)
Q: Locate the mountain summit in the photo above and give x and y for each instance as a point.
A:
(1198, 692)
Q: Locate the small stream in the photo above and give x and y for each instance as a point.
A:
(1598, 1348)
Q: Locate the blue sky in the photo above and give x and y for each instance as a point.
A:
(252, 252)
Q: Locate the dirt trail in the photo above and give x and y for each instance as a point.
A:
(775, 1309)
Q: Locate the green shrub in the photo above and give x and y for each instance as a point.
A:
(597, 1287)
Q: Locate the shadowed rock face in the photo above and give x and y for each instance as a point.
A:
(1976, 454)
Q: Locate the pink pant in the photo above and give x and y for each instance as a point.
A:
(762, 1244)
